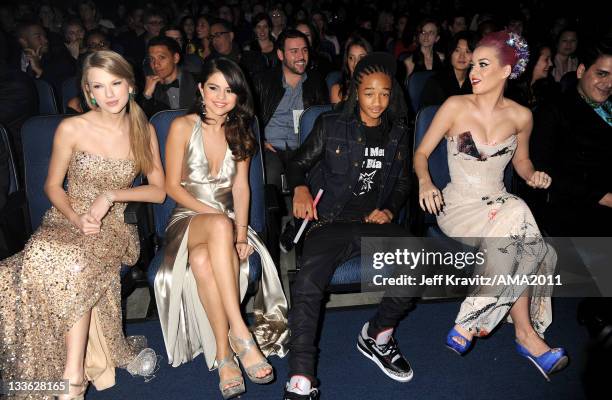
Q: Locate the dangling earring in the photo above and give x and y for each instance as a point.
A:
(131, 95)
(93, 101)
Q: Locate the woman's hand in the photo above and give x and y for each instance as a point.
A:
(99, 208)
(539, 180)
(87, 224)
(244, 249)
(379, 217)
(430, 198)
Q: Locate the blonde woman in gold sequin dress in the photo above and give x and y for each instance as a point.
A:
(204, 273)
(60, 297)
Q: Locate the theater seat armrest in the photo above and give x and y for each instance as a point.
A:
(133, 211)
(271, 198)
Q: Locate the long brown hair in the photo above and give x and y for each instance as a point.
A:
(140, 135)
(238, 132)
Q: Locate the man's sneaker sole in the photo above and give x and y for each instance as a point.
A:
(366, 353)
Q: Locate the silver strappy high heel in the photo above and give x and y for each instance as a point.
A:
(251, 371)
(235, 390)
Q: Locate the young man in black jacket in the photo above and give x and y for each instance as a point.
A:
(359, 156)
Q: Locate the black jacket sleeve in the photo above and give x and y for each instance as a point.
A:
(307, 155)
(399, 196)
(152, 106)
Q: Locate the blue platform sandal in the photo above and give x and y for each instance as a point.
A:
(550, 362)
(454, 345)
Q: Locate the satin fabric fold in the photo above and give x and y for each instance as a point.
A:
(185, 326)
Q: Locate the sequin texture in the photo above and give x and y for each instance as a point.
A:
(61, 274)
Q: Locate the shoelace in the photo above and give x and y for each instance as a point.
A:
(390, 349)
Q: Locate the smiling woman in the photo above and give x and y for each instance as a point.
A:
(208, 238)
(484, 132)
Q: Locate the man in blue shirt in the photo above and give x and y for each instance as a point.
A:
(281, 95)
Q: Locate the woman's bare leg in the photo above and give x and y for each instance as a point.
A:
(76, 343)
(216, 231)
(525, 334)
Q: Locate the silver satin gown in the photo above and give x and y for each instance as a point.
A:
(185, 326)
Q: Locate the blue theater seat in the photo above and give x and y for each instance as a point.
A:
(416, 84)
(47, 103)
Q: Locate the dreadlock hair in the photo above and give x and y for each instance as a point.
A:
(378, 62)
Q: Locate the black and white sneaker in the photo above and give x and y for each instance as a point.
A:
(300, 388)
(384, 352)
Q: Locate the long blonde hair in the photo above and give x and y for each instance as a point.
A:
(140, 135)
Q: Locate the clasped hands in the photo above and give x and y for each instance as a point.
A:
(89, 223)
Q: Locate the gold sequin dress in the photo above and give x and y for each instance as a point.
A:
(61, 274)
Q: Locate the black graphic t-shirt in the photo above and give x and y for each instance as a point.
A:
(365, 192)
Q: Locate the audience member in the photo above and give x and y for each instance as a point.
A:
(222, 40)
(319, 59)
(425, 57)
(573, 139)
(169, 87)
(18, 102)
(565, 59)
(281, 95)
(279, 21)
(355, 49)
(203, 34)
(74, 38)
(261, 49)
(188, 25)
(53, 64)
(454, 79)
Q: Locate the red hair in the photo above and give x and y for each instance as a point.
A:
(497, 40)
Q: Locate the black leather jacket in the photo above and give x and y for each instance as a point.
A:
(269, 91)
(332, 157)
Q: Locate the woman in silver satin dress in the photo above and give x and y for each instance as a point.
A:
(204, 274)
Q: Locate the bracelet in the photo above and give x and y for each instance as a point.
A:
(242, 226)
(108, 199)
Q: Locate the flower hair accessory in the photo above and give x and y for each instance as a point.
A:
(521, 49)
